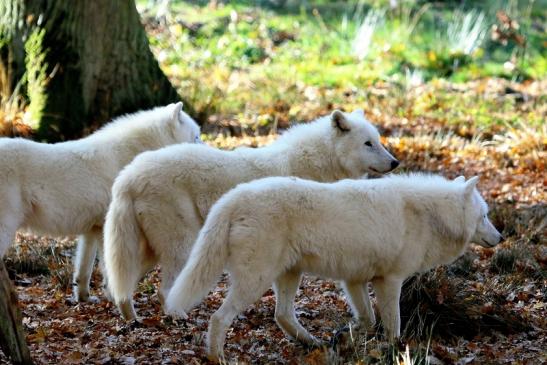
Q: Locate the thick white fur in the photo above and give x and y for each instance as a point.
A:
(64, 188)
(160, 200)
(272, 230)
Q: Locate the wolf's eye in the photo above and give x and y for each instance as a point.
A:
(368, 143)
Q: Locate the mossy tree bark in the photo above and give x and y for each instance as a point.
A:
(12, 337)
(84, 62)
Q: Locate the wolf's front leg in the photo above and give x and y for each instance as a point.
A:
(86, 250)
(388, 292)
(359, 300)
(7, 235)
(246, 288)
(11, 216)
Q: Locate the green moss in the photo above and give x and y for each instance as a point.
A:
(36, 75)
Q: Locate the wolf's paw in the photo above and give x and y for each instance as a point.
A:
(213, 358)
(93, 299)
(177, 314)
(173, 311)
(126, 310)
(313, 343)
(79, 295)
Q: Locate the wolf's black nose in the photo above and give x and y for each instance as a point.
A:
(394, 164)
(502, 238)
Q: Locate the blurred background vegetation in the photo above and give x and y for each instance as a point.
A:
(263, 64)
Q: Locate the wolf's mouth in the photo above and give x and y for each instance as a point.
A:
(374, 170)
(487, 243)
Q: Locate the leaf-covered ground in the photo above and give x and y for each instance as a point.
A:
(507, 283)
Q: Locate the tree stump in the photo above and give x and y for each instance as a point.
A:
(12, 337)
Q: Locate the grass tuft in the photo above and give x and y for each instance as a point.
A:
(362, 42)
(466, 32)
(504, 261)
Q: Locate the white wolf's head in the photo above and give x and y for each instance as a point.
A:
(357, 145)
(482, 231)
(184, 128)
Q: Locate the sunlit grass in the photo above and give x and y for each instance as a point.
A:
(263, 65)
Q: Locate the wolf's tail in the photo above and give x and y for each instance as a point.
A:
(205, 264)
(124, 247)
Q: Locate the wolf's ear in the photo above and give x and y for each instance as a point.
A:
(460, 179)
(339, 121)
(470, 185)
(176, 112)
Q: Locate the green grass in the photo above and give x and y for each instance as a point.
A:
(239, 60)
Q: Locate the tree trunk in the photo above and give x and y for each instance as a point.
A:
(85, 62)
(12, 337)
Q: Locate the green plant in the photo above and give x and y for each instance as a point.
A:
(466, 32)
(36, 74)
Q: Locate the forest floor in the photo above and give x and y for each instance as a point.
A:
(488, 307)
(250, 83)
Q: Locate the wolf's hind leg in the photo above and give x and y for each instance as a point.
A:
(169, 271)
(359, 300)
(388, 292)
(285, 288)
(173, 261)
(245, 290)
(171, 233)
(86, 250)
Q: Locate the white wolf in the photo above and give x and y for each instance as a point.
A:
(274, 229)
(64, 188)
(160, 200)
